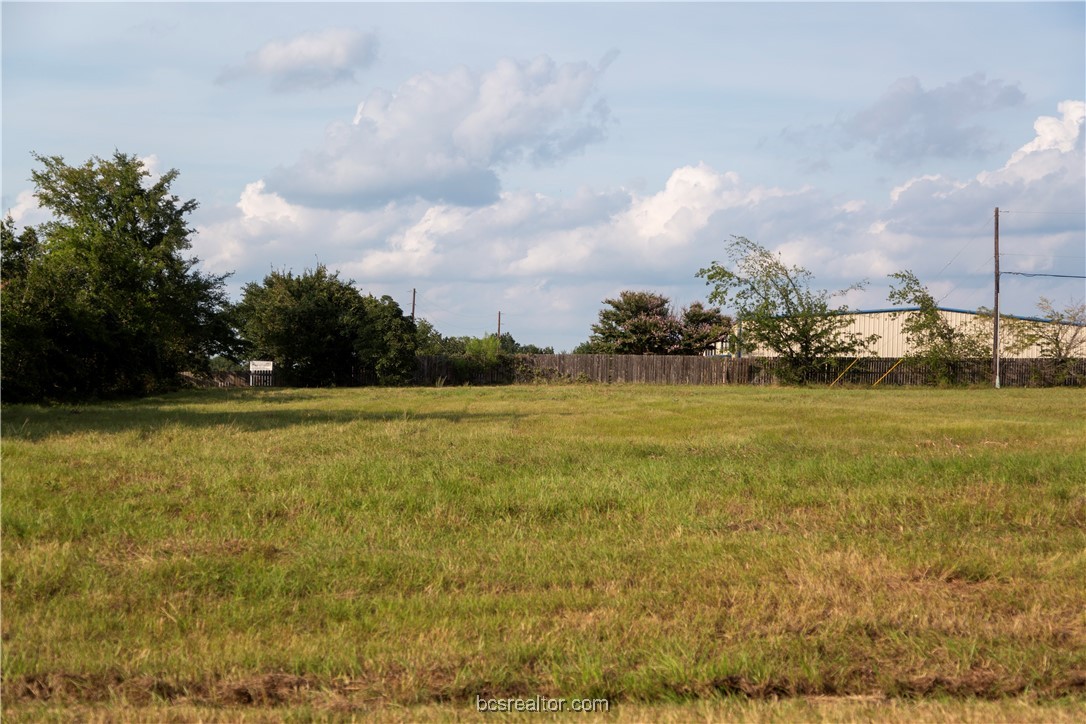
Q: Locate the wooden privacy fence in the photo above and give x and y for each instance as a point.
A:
(645, 369)
(689, 370)
(683, 370)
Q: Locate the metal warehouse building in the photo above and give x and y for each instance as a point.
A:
(887, 324)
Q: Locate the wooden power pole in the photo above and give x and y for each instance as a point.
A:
(995, 314)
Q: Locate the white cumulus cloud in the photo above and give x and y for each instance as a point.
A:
(26, 211)
(308, 61)
(443, 137)
(1051, 150)
(1046, 174)
(548, 261)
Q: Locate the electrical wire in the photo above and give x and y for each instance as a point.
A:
(975, 236)
(1042, 256)
(1058, 213)
(1056, 276)
(990, 260)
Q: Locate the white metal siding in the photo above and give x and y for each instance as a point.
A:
(892, 342)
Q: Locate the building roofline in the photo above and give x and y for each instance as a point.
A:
(898, 310)
(908, 309)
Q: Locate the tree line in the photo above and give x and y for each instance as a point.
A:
(102, 300)
(778, 308)
(782, 311)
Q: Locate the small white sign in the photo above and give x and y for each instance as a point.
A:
(260, 366)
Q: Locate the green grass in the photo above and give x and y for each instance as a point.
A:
(659, 546)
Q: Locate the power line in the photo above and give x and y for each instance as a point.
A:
(1057, 276)
(1042, 256)
(426, 297)
(1058, 213)
(976, 271)
(975, 236)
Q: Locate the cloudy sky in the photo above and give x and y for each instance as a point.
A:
(535, 159)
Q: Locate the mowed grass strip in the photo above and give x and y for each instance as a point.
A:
(643, 544)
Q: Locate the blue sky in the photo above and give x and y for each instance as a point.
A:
(538, 158)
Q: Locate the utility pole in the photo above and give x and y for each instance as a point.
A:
(499, 324)
(412, 305)
(995, 321)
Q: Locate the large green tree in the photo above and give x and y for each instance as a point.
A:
(428, 340)
(320, 330)
(701, 327)
(779, 310)
(102, 300)
(388, 345)
(639, 322)
(636, 323)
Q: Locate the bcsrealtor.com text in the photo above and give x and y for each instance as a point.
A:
(542, 704)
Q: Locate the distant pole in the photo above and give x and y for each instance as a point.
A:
(995, 323)
(499, 324)
(412, 305)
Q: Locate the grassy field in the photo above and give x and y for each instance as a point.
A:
(685, 553)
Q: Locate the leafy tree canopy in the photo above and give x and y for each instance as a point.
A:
(431, 342)
(1060, 337)
(387, 349)
(320, 330)
(780, 311)
(639, 322)
(511, 346)
(933, 340)
(101, 300)
(701, 327)
(428, 340)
